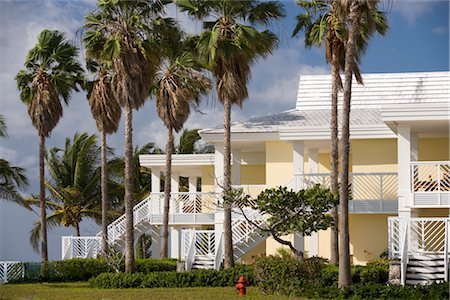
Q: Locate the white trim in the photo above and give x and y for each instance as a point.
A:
(323, 133)
(416, 112)
(214, 137)
(159, 160)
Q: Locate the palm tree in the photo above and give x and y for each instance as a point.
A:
(228, 49)
(74, 184)
(130, 32)
(12, 179)
(106, 112)
(179, 85)
(323, 22)
(51, 74)
(359, 14)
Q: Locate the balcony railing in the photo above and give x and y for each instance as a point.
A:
(185, 203)
(430, 184)
(369, 192)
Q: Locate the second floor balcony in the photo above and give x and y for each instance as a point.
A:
(430, 184)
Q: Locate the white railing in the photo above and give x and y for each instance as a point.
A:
(430, 183)
(362, 186)
(425, 235)
(186, 203)
(417, 236)
(11, 270)
(219, 252)
(80, 247)
(241, 228)
(191, 253)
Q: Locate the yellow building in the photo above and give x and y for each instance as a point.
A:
(399, 172)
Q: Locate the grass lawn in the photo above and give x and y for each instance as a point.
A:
(81, 290)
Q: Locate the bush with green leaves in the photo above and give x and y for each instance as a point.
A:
(195, 278)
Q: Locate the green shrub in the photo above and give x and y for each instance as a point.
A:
(150, 265)
(287, 276)
(79, 269)
(195, 278)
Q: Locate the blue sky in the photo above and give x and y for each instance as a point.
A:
(418, 40)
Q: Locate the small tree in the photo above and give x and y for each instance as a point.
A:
(287, 212)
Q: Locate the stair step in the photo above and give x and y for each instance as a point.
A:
(428, 270)
(424, 276)
(420, 282)
(426, 257)
(427, 263)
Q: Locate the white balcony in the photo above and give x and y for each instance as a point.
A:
(369, 192)
(430, 184)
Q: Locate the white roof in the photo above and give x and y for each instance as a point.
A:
(378, 90)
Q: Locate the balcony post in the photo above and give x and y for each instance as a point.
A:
(236, 168)
(156, 189)
(192, 194)
(298, 163)
(406, 152)
(175, 188)
(175, 242)
(313, 165)
(155, 232)
(218, 168)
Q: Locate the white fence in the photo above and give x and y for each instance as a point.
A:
(80, 247)
(430, 184)
(11, 270)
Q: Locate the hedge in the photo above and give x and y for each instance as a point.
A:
(195, 278)
(78, 269)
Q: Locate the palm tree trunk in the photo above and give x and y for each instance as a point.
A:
(167, 190)
(228, 238)
(104, 183)
(129, 187)
(43, 234)
(334, 239)
(77, 229)
(344, 253)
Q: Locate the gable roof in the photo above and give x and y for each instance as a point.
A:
(378, 90)
(313, 107)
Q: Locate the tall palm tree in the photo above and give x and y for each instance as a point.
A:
(51, 74)
(179, 85)
(131, 31)
(74, 184)
(323, 23)
(106, 112)
(12, 179)
(359, 13)
(228, 48)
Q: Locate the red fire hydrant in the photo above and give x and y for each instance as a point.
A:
(241, 286)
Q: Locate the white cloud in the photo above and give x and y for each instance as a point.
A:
(8, 154)
(411, 10)
(440, 30)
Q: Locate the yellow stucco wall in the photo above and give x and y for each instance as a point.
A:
(278, 163)
(253, 174)
(207, 179)
(378, 155)
(434, 149)
(250, 256)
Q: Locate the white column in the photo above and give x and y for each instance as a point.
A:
(236, 168)
(298, 162)
(175, 205)
(155, 232)
(156, 204)
(299, 242)
(175, 182)
(192, 192)
(406, 151)
(175, 242)
(218, 168)
(313, 160)
(313, 164)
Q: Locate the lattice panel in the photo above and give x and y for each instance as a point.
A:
(425, 177)
(10, 271)
(427, 235)
(205, 243)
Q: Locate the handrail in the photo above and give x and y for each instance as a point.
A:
(219, 253)
(191, 254)
(446, 251)
(404, 256)
(430, 162)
